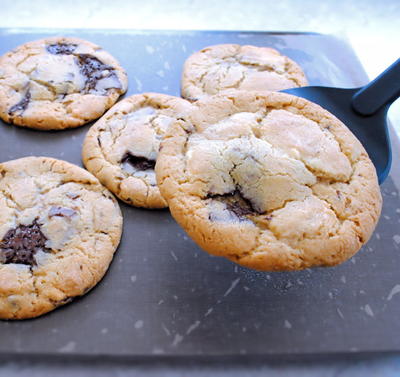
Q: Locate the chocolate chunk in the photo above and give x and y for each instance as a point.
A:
(240, 207)
(21, 105)
(61, 211)
(94, 70)
(20, 244)
(139, 163)
(61, 48)
(235, 203)
(99, 76)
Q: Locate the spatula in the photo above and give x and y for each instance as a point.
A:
(364, 111)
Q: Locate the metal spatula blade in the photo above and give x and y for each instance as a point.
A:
(364, 111)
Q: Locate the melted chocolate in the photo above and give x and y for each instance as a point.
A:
(139, 163)
(20, 244)
(235, 203)
(94, 71)
(61, 48)
(240, 207)
(21, 105)
(92, 68)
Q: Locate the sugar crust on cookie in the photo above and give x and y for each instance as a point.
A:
(231, 66)
(121, 148)
(59, 229)
(58, 83)
(270, 181)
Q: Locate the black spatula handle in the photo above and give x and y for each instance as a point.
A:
(380, 92)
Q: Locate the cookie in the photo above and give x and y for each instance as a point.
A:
(121, 148)
(270, 181)
(231, 66)
(58, 83)
(59, 229)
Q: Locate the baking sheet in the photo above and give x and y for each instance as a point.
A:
(162, 294)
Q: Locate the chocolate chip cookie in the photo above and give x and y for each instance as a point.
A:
(121, 148)
(231, 66)
(59, 229)
(58, 83)
(270, 181)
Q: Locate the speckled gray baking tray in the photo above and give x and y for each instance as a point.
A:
(162, 294)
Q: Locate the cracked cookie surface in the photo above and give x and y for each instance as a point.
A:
(59, 229)
(121, 148)
(231, 66)
(270, 181)
(58, 83)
